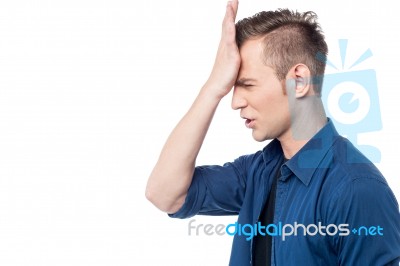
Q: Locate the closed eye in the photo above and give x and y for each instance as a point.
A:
(244, 82)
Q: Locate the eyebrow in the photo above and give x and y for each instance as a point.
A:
(243, 81)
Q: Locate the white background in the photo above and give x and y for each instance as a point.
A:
(89, 91)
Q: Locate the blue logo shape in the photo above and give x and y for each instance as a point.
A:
(351, 100)
(347, 102)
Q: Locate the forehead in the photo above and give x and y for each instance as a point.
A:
(252, 58)
(251, 51)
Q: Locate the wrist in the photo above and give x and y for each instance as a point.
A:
(214, 91)
(210, 93)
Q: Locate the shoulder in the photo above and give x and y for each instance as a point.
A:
(352, 164)
(355, 180)
(363, 192)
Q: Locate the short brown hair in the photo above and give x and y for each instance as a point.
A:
(290, 37)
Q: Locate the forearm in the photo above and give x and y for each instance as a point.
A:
(172, 175)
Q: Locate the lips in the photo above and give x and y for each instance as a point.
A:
(249, 123)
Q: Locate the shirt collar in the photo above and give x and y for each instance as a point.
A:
(316, 153)
(273, 151)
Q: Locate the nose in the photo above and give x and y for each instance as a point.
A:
(238, 101)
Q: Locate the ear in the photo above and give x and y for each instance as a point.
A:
(301, 74)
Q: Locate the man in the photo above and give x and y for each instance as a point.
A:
(307, 176)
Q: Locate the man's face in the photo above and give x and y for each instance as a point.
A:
(260, 95)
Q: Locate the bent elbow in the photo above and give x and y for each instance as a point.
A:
(163, 204)
(148, 195)
(151, 196)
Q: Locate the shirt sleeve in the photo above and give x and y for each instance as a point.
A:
(371, 211)
(216, 190)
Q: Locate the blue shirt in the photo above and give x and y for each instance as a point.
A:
(327, 183)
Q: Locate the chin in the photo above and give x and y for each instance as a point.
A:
(260, 137)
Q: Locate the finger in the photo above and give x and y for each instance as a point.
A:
(229, 13)
(235, 5)
(228, 26)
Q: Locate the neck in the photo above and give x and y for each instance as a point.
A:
(307, 118)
